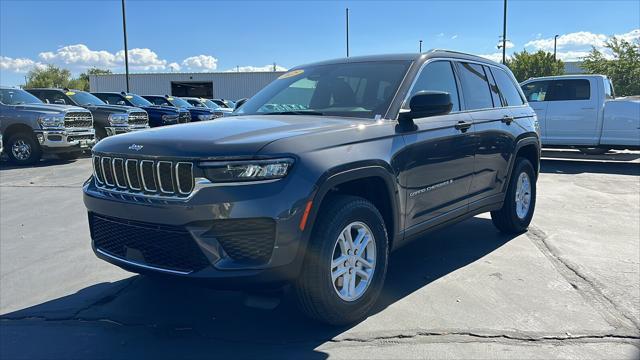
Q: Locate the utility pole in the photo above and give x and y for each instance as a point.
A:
(347, 32)
(126, 55)
(555, 41)
(420, 46)
(504, 34)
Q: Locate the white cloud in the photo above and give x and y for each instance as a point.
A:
(200, 63)
(265, 68)
(18, 65)
(454, 37)
(79, 54)
(508, 44)
(576, 45)
(174, 66)
(440, 35)
(141, 60)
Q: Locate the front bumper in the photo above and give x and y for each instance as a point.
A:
(115, 130)
(66, 140)
(222, 224)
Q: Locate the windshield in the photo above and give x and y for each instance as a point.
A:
(17, 97)
(210, 104)
(196, 103)
(84, 98)
(138, 100)
(220, 103)
(177, 102)
(363, 90)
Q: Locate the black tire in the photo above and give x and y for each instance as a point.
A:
(34, 149)
(314, 289)
(69, 155)
(506, 219)
(594, 151)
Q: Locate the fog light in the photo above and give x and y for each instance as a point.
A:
(40, 138)
(54, 137)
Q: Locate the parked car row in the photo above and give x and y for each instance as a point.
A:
(66, 122)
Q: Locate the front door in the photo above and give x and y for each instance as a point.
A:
(440, 162)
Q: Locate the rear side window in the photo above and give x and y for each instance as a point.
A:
(508, 90)
(475, 87)
(437, 76)
(493, 88)
(573, 89)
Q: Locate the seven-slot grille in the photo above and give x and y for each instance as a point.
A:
(138, 118)
(144, 176)
(185, 117)
(78, 120)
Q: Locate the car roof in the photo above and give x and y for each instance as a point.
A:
(418, 57)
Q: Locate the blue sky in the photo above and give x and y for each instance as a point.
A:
(219, 36)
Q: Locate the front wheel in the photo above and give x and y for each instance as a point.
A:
(519, 203)
(346, 262)
(23, 149)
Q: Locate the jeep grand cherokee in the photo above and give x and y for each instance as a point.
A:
(320, 175)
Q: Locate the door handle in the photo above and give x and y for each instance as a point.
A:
(462, 126)
(507, 119)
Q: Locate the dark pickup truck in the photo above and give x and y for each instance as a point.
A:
(107, 119)
(31, 128)
(158, 115)
(317, 177)
(197, 113)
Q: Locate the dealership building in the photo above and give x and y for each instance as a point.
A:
(225, 85)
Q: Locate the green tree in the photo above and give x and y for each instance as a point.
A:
(82, 81)
(623, 69)
(525, 65)
(49, 76)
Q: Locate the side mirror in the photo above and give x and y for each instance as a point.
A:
(425, 104)
(59, 102)
(240, 103)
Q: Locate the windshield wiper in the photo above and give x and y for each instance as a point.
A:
(294, 112)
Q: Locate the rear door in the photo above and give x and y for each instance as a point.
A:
(572, 113)
(440, 161)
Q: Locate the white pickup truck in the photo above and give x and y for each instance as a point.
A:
(581, 111)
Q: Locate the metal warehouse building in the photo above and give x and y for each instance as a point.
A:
(225, 85)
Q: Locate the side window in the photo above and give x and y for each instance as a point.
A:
(112, 99)
(508, 90)
(475, 87)
(53, 97)
(570, 89)
(159, 101)
(437, 76)
(536, 91)
(493, 88)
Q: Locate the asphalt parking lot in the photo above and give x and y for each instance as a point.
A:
(569, 288)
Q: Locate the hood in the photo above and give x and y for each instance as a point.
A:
(50, 108)
(162, 109)
(113, 108)
(237, 136)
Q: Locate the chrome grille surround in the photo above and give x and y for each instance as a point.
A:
(78, 120)
(138, 118)
(145, 177)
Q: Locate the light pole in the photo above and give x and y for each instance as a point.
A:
(126, 55)
(555, 41)
(420, 46)
(504, 34)
(347, 13)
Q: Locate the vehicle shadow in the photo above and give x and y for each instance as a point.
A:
(152, 318)
(598, 167)
(576, 155)
(46, 161)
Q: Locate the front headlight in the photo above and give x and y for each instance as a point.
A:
(205, 117)
(51, 121)
(236, 171)
(118, 119)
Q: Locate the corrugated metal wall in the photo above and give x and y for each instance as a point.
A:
(226, 85)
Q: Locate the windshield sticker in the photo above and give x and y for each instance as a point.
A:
(169, 98)
(69, 93)
(291, 74)
(128, 97)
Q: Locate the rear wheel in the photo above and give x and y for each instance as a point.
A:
(23, 149)
(593, 151)
(517, 211)
(346, 262)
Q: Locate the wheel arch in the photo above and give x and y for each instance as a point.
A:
(374, 182)
(529, 148)
(15, 129)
